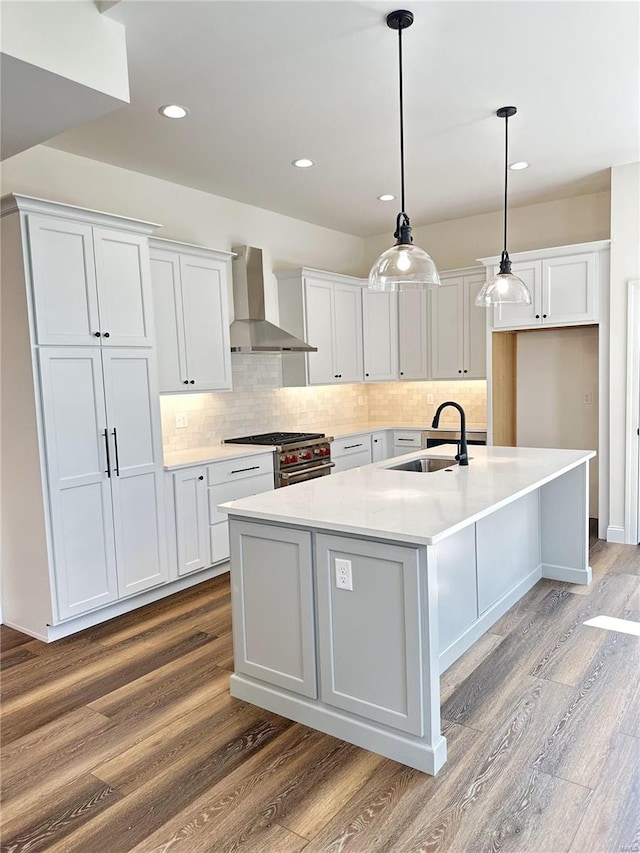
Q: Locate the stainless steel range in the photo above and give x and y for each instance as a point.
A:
(299, 456)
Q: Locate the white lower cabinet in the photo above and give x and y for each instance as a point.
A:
(201, 532)
(104, 466)
(351, 452)
(191, 519)
(229, 481)
(406, 441)
(380, 446)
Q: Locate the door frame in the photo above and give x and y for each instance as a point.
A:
(632, 479)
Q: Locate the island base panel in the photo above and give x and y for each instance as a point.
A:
(564, 527)
(410, 751)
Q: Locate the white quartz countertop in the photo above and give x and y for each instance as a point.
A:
(213, 453)
(406, 506)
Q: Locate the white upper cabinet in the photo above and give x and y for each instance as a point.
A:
(413, 333)
(458, 327)
(564, 284)
(91, 284)
(380, 335)
(325, 310)
(191, 307)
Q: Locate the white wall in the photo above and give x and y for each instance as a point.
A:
(625, 267)
(71, 40)
(184, 213)
(556, 368)
(460, 242)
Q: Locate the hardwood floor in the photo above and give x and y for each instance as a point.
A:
(125, 738)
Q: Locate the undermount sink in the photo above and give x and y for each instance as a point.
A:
(425, 465)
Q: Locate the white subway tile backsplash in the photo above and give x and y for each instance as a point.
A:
(259, 403)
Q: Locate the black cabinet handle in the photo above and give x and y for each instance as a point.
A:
(106, 442)
(240, 470)
(335, 376)
(115, 440)
(544, 316)
(96, 334)
(350, 446)
(192, 382)
(201, 477)
(106, 335)
(537, 316)
(404, 439)
(185, 381)
(465, 371)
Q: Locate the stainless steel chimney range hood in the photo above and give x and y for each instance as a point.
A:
(250, 332)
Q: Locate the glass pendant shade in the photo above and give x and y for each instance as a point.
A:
(502, 289)
(403, 267)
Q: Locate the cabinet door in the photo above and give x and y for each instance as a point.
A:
(133, 416)
(413, 324)
(192, 523)
(379, 446)
(319, 331)
(447, 330)
(272, 605)
(380, 335)
(64, 281)
(569, 292)
(369, 637)
(124, 288)
(205, 306)
(347, 332)
(475, 330)
(512, 316)
(169, 322)
(79, 487)
(231, 490)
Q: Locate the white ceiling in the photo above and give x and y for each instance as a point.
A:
(268, 81)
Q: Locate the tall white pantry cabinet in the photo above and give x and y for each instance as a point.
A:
(82, 468)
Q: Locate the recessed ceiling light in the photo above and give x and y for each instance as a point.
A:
(386, 197)
(516, 167)
(302, 163)
(173, 111)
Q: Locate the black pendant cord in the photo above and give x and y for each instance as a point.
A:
(506, 177)
(401, 122)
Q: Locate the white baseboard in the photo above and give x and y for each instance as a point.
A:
(616, 534)
(566, 574)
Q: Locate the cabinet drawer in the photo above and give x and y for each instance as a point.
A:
(353, 460)
(348, 446)
(238, 469)
(407, 439)
(233, 490)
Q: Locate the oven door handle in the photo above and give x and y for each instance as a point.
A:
(286, 475)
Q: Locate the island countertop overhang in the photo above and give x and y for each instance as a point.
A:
(410, 507)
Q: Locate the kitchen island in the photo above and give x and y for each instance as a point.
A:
(351, 594)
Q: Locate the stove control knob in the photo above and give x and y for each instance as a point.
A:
(294, 458)
(308, 455)
(286, 460)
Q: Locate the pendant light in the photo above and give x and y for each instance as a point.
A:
(403, 266)
(505, 287)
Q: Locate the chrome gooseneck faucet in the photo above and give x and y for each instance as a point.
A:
(461, 456)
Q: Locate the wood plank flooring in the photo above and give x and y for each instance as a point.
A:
(124, 738)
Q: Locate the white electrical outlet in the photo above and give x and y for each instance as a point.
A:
(344, 580)
(429, 399)
(182, 420)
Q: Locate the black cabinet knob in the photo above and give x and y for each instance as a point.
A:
(185, 382)
(96, 334)
(544, 316)
(537, 316)
(107, 335)
(402, 373)
(459, 371)
(366, 374)
(201, 477)
(465, 371)
(335, 376)
(192, 382)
